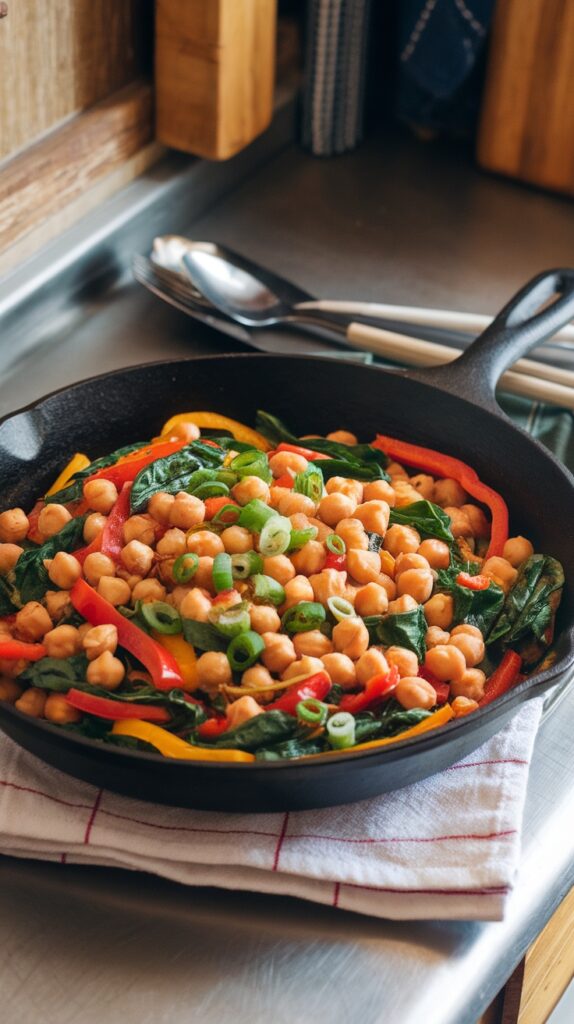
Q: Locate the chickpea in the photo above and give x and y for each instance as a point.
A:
(401, 539)
(14, 525)
(364, 566)
(213, 671)
(341, 670)
(299, 521)
(10, 691)
(11, 668)
(279, 567)
(131, 578)
(405, 493)
(435, 635)
(97, 565)
(57, 710)
(100, 495)
(416, 582)
(148, 590)
(187, 432)
(478, 522)
(275, 495)
(471, 645)
(260, 677)
(298, 589)
(388, 585)
(323, 531)
(93, 526)
(242, 710)
(501, 571)
(32, 702)
(371, 663)
(264, 618)
(98, 639)
(310, 559)
(374, 515)
(436, 552)
(336, 506)
(406, 603)
(9, 555)
(186, 511)
(248, 488)
(237, 540)
(292, 502)
(517, 550)
(459, 521)
(352, 532)
(471, 685)
(174, 598)
(327, 583)
(439, 610)
(314, 643)
(449, 492)
(371, 600)
(279, 652)
(64, 570)
(139, 528)
(203, 542)
(62, 642)
(379, 490)
(195, 605)
(406, 661)
(463, 706)
(159, 507)
(58, 604)
(173, 542)
(351, 637)
(445, 662)
(414, 692)
(343, 437)
(343, 485)
(305, 666)
(424, 484)
(137, 557)
(412, 560)
(114, 590)
(33, 621)
(204, 574)
(52, 519)
(285, 462)
(105, 671)
(396, 471)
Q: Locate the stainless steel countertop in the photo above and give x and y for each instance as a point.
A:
(396, 221)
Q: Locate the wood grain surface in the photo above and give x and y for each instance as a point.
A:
(214, 72)
(527, 122)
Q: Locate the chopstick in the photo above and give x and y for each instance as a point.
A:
(446, 319)
(527, 378)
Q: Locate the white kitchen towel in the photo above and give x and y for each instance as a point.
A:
(446, 847)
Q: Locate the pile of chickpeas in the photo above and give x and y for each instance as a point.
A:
(395, 579)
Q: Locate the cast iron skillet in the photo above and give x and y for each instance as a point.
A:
(451, 408)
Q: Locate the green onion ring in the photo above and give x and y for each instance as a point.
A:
(218, 517)
(221, 573)
(162, 617)
(340, 608)
(246, 564)
(255, 514)
(266, 590)
(275, 536)
(211, 489)
(312, 711)
(301, 537)
(185, 567)
(302, 617)
(341, 730)
(231, 622)
(244, 650)
(336, 544)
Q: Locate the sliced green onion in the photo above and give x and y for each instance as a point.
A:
(221, 572)
(302, 617)
(200, 476)
(161, 616)
(310, 483)
(312, 711)
(244, 650)
(341, 730)
(300, 537)
(275, 536)
(266, 590)
(245, 565)
(336, 544)
(218, 517)
(227, 477)
(252, 463)
(255, 514)
(211, 489)
(232, 621)
(340, 608)
(185, 567)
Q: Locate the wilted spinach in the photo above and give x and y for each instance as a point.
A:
(407, 629)
(526, 619)
(204, 636)
(29, 580)
(427, 519)
(478, 608)
(172, 473)
(357, 461)
(265, 730)
(74, 489)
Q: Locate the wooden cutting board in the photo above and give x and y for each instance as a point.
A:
(527, 121)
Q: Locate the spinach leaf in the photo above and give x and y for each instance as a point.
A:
(406, 629)
(29, 576)
(172, 473)
(264, 730)
(478, 608)
(375, 541)
(73, 491)
(290, 749)
(530, 605)
(204, 636)
(396, 719)
(9, 599)
(60, 675)
(427, 518)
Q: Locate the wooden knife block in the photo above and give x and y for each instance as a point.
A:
(214, 71)
(527, 122)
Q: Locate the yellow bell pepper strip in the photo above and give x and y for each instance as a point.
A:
(440, 717)
(172, 746)
(75, 465)
(184, 655)
(214, 421)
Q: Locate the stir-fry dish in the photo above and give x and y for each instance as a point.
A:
(229, 594)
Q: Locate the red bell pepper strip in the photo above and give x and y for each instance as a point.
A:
(442, 689)
(286, 481)
(503, 678)
(105, 707)
(212, 728)
(110, 540)
(338, 562)
(161, 665)
(478, 582)
(317, 686)
(15, 649)
(442, 465)
(33, 533)
(378, 688)
(298, 449)
(213, 505)
(126, 470)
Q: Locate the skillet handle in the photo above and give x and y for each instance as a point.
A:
(520, 326)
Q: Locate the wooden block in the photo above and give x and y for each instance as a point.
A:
(527, 121)
(214, 71)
